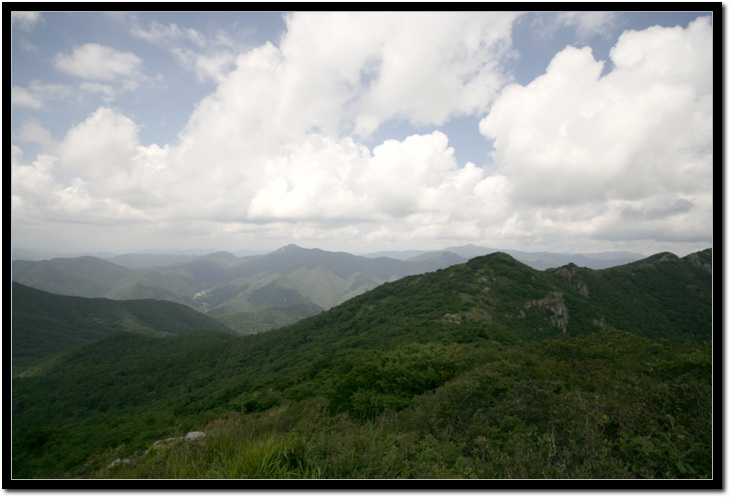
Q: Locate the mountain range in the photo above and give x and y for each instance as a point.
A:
(289, 283)
(484, 369)
(221, 283)
(536, 260)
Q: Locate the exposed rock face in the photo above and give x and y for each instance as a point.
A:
(569, 274)
(695, 260)
(556, 305)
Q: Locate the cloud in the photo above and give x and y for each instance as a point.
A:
(335, 182)
(25, 21)
(167, 34)
(335, 73)
(421, 67)
(98, 62)
(33, 132)
(586, 24)
(97, 175)
(276, 151)
(589, 24)
(573, 138)
(100, 171)
(100, 153)
(37, 93)
(666, 209)
(213, 67)
(24, 98)
(210, 57)
(108, 92)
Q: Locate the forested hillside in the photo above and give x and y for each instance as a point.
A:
(489, 369)
(44, 324)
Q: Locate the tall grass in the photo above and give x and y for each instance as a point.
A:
(229, 450)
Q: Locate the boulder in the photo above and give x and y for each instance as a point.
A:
(195, 435)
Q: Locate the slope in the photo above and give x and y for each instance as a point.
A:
(267, 318)
(80, 276)
(44, 324)
(141, 261)
(662, 296)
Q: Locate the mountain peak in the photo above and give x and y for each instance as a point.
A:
(219, 256)
(288, 248)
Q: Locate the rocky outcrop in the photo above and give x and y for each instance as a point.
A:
(697, 261)
(474, 315)
(195, 436)
(556, 305)
(192, 436)
(120, 462)
(569, 274)
(451, 318)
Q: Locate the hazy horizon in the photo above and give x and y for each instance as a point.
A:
(19, 253)
(565, 132)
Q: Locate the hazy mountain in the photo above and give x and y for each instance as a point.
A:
(396, 254)
(18, 254)
(294, 275)
(536, 260)
(442, 258)
(488, 369)
(139, 261)
(221, 283)
(79, 276)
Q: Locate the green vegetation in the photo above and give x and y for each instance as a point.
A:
(488, 369)
(268, 318)
(79, 276)
(45, 324)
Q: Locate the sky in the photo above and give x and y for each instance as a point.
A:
(175, 132)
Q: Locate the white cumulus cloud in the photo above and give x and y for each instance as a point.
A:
(642, 132)
(98, 62)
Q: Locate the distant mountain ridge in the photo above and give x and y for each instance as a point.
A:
(221, 283)
(536, 260)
